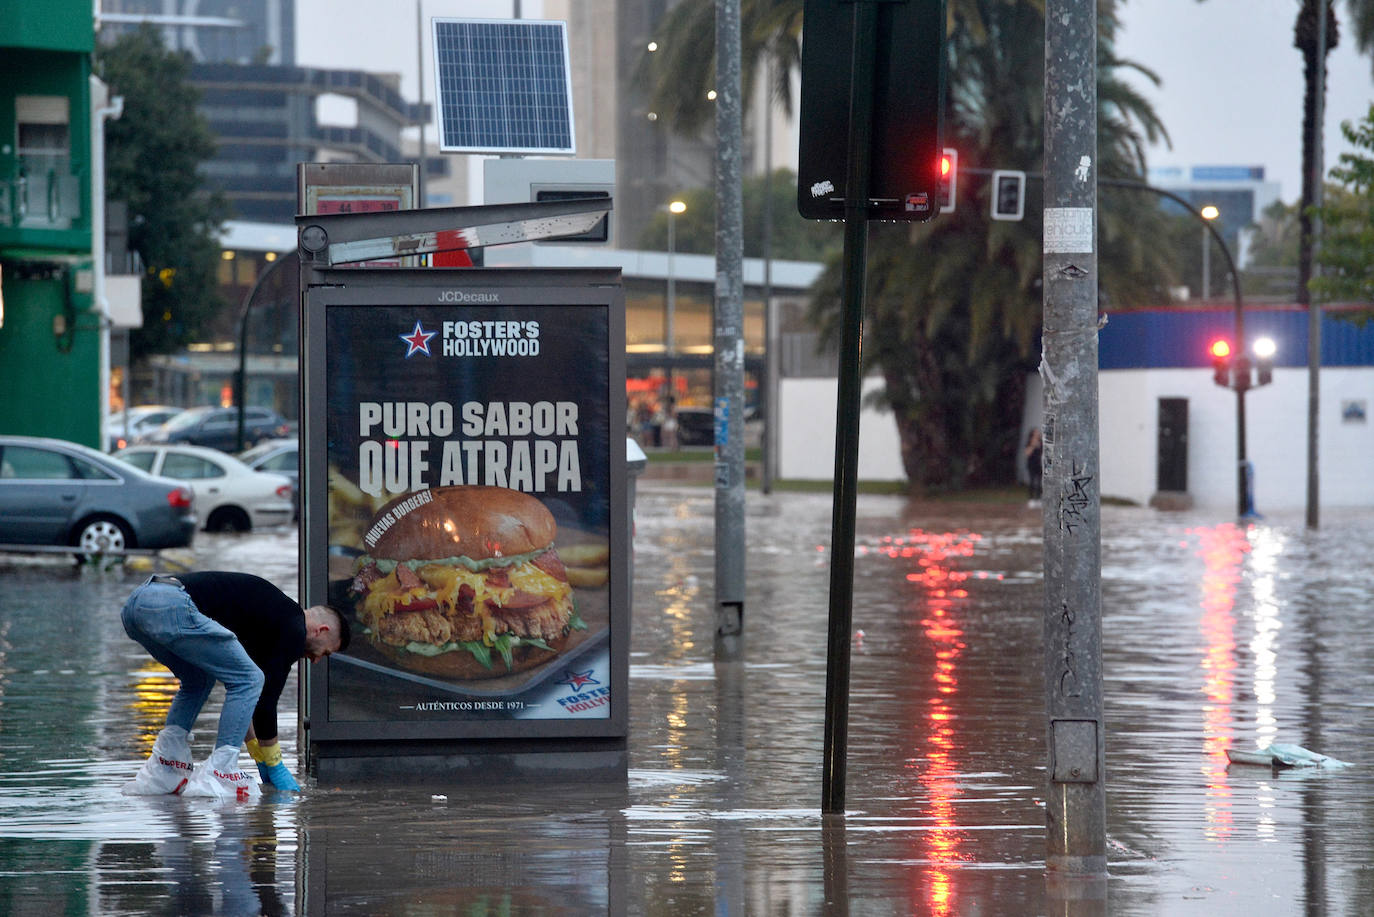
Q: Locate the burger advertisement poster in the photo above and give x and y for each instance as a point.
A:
(475, 518)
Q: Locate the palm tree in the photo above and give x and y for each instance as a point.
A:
(1308, 39)
(953, 307)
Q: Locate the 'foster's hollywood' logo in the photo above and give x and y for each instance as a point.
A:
(588, 693)
(474, 338)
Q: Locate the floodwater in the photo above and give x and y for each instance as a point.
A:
(1216, 636)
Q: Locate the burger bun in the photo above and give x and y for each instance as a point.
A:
(462, 521)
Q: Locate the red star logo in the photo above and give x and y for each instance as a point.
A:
(576, 680)
(418, 341)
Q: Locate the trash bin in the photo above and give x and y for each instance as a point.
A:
(635, 463)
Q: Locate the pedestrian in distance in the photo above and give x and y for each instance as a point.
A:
(1033, 451)
(234, 628)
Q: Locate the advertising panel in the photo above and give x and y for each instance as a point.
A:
(467, 487)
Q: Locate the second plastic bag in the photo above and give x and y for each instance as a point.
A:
(221, 778)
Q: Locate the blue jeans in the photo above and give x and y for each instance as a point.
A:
(199, 651)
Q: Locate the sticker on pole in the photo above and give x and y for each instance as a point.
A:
(1068, 230)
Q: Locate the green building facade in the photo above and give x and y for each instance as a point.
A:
(50, 373)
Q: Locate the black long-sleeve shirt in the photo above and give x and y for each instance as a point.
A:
(269, 624)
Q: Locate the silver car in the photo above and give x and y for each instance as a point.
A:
(53, 492)
(278, 456)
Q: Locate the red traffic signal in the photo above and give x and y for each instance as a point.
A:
(1220, 352)
(949, 179)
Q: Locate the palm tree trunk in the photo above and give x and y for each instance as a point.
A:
(1306, 40)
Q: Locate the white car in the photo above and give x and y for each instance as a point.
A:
(230, 496)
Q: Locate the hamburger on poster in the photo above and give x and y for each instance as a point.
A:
(464, 582)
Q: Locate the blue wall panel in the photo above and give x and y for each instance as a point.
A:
(1178, 338)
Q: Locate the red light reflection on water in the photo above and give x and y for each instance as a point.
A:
(935, 556)
(1222, 549)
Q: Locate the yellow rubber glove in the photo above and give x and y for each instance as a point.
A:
(269, 756)
(270, 767)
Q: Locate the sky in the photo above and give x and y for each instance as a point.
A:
(1230, 90)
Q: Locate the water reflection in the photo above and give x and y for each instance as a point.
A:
(1223, 549)
(1214, 636)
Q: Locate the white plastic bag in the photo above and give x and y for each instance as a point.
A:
(221, 778)
(167, 769)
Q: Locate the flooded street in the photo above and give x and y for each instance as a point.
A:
(1215, 636)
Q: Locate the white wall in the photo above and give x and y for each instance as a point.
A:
(806, 437)
(1276, 437)
(1128, 408)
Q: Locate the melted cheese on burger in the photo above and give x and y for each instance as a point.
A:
(443, 581)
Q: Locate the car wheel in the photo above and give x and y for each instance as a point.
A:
(228, 519)
(103, 534)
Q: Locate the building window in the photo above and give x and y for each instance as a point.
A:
(42, 128)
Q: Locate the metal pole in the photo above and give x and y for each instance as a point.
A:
(729, 337)
(1206, 266)
(770, 317)
(669, 332)
(1075, 809)
(1241, 372)
(241, 378)
(1314, 311)
(850, 384)
(420, 86)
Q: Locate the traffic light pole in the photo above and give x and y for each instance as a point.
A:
(1240, 379)
(836, 740)
(1240, 375)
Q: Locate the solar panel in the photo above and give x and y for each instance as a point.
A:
(503, 86)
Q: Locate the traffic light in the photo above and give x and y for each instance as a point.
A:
(1220, 351)
(1008, 194)
(1265, 349)
(908, 93)
(949, 179)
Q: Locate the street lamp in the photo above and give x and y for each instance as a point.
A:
(1210, 212)
(669, 339)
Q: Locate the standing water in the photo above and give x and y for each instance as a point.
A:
(1216, 636)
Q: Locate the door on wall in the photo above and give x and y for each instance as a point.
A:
(1172, 447)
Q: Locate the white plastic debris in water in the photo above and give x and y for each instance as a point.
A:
(1283, 755)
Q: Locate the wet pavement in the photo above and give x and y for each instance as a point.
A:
(1216, 636)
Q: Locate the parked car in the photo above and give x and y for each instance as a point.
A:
(230, 496)
(696, 427)
(53, 492)
(279, 456)
(127, 426)
(218, 428)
